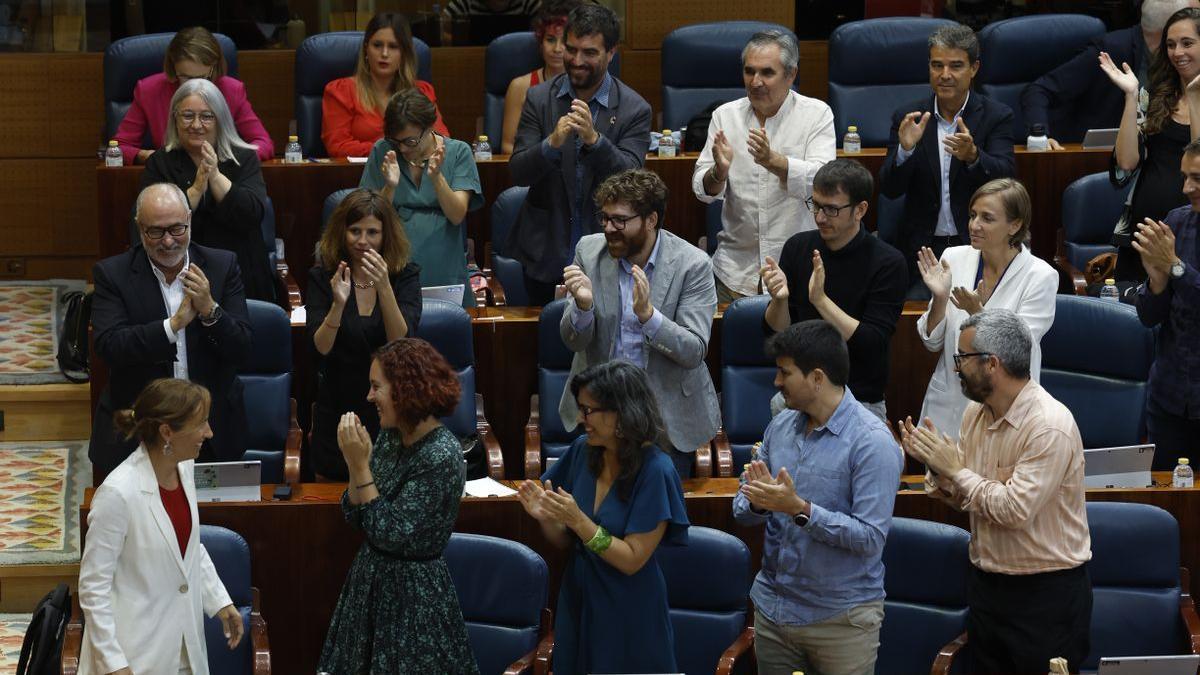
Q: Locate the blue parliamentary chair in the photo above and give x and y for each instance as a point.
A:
(272, 433)
(502, 587)
(875, 66)
(1091, 207)
(323, 58)
(545, 435)
(1003, 78)
(925, 612)
(130, 59)
(702, 64)
(508, 271)
(713, 225)
(747, 384)
(1096, 360)
(709, 612)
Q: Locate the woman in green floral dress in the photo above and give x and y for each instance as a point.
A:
(398, 612)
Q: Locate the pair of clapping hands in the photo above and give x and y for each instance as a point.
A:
(580, 287)
(548, 504)
(197, 297)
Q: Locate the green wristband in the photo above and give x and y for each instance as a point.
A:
(600, 541)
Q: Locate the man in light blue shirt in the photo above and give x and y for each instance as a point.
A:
(824, 484)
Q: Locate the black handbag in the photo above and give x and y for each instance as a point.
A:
(41, 651)
(73, 339)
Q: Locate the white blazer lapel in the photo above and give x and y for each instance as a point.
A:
(149, 487)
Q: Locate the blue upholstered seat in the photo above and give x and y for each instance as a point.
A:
(1091, 207)
(510, 272)
(230, 556)
(713, 225)
(747, 382)
(272, 434)
(506, 58)
(545, 435)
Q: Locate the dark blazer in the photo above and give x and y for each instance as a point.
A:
(127, 329)
(541, 237)
(1077, 96)
(919, 180)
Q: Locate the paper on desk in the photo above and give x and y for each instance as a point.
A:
(300, 315)
(486, 487)
(357, 160)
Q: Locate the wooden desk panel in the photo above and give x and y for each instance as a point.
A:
(301, 549)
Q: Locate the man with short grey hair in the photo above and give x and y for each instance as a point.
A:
(760, 158)
(1018, 471)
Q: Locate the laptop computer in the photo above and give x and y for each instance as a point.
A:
(452, 293)
(1123, 467)
(1100, 139)
(229, 481)
(1150, 665)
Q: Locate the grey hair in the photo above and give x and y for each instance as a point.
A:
(789, 49)
(957, 36)
(1156, 12)
(1004, 334)
(153, 191)
(227, 136)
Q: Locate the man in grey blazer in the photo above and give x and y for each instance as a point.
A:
(575, 130)
(642, 294)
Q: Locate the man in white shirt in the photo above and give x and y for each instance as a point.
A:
(760, 157)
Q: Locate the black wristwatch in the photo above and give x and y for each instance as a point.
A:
(801, 519)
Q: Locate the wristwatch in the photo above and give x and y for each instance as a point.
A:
(213, 316)
(1177, 270)
(800, 519)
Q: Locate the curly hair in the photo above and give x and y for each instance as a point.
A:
(642, 189)
(167, 401)
(194, 44)
(1165, 87)
(553, 15)
(423, 383)
(331, 249)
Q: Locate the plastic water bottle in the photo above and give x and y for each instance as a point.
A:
(1110, 292)
(483, 150)
(852, 142)
(666, 144)
(112, 156)
(1037, 139)
(1183, 474)
(293, 154)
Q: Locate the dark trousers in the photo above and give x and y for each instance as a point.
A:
(1173, 437)
(541, 293)
(1018, 622)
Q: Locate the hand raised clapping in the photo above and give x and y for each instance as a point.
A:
(579, 286)
(1123, 77)
(774, 280)
(935, 274)
(548, 505)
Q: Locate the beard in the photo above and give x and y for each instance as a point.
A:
(584, 78)
(622, 246)
(976, 388)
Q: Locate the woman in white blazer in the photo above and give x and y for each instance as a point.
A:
(145, 578)
(1004, 274)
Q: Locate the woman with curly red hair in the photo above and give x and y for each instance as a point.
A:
(398, 612)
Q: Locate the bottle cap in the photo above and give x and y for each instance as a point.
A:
(1037, 130)
(293, 139)
(1110, 282)
(1184, 460)
(852, 129)
(666, 132)
(112, 144)
(483, 138)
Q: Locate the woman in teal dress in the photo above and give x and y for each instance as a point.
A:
(432, 181)
(612, 498)
(398, 612)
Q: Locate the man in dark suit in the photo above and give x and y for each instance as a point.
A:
(1077, 96)
(575, 131)
(944, 147)
(169, 308)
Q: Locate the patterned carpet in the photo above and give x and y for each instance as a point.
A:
(12, 633)
(29, 326)
(41, 488)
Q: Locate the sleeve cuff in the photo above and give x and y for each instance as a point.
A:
(902, 155)
(650, 328)
(964, 479)
(581, 320)
(172, 337)
(601, 142)
(551, 154)
(817, 517)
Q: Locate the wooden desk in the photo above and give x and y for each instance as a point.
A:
(302, 549)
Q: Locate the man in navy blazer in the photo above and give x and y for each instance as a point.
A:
(575, 130)
(944, 147)
(169, 308)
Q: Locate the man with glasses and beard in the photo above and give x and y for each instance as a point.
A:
(1018, 471)
(576, 130)
(169, 308)
(641, 294)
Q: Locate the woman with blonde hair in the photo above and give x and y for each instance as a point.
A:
(145, 579)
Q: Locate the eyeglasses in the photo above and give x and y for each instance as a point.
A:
(618, 221)
(958, 358)
(829, 210)
(411, 141)
(156, 233)
(190, 116)
(587, 410)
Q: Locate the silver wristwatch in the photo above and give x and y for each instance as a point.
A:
(1177, 270)
(213, 316)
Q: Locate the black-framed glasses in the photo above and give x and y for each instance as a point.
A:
(410, 142)
(618, 221)
(156, 233)
(587, 410)
(958, 358)
(829, 210)
(188, 117)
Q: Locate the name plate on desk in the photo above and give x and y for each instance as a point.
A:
(229, 482)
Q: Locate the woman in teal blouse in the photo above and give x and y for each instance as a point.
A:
(432, 182)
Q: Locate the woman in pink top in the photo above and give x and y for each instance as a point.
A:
(193, 53)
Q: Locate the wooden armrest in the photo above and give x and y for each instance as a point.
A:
(1187, 610)
(533, 441)
(496, 295)
(545, 647)
(724, 454)
(703, 462)
(741, 645)
(941, 665)
(72, 644)
(522, 664)
(491, 446)
(1069, 273)
(283, 272)
(291, 449)
(258, 637)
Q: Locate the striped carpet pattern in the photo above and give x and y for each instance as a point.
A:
(12, 633)
(41, 487)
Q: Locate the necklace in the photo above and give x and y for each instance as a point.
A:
(369, 284)
(417, 165)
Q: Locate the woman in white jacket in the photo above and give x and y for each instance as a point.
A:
(1004, 274)
(145, 578)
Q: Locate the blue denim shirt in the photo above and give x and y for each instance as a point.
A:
(598, 101)
(1175, 374)
(849, 470)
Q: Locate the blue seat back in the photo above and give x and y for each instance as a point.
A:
(554, 369)
(325, 57)
(510, 272)
(505, 59)
(708, 611)
(713, 225)
(502, 588)
(266, 378)
(875, 66)
(1095, 360)
(447, 327)
(925, 578)
(747, 376)
(1002, 78)
(331, 202)
(130, 59)
(230, 556)
(702, 64)
(889, 218)
(1135, 582)
(1091, 207)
